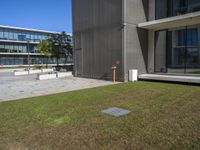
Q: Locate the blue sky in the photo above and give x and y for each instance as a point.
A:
(53, 15)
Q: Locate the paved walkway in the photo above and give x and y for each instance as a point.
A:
(12, 88)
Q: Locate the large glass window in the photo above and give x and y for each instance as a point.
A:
(178, 50)
(24, 49)
(10, 35)
(2, 49)
(16, 47)
(1, 34)
(188, 37)
(20, 49)
(28, 36)
(7, 47)
(23, 60)
(6, 34)
(15, 36)
(19, 35)
(168, 8)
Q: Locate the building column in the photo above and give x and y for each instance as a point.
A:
(152, 10)
(151, 50)
(151, 37)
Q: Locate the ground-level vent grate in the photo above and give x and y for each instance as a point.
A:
(115, 111)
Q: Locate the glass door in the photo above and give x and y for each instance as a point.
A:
(183, 52)
(176, 51)
(192, 61)
(193, 51)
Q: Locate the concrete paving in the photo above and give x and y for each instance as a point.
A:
(12, 87)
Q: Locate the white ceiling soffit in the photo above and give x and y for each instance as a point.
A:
(172, 22)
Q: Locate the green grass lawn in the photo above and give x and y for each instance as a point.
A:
(163, 116)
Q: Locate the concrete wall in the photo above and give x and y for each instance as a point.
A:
(151, 10)
(105, 31)
(97, 32)
(151, 37)
(160, 51)
(135, 40)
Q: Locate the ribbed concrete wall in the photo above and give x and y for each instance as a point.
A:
(105, 31)
(135, 40)
(97, 32)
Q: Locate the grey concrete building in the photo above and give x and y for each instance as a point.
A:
(152, 36)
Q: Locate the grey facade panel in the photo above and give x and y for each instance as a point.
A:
(151, 10)
(136, 11)
(136, 40)
(108, 32)
(136, 50)
(98, 24)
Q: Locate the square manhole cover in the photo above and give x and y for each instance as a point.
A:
(115, 111)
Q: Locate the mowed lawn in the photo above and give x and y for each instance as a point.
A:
(163, 116)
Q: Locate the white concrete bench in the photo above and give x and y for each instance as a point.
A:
(48, 70)
(20, 73)
(34, 71)
(47, 76)
(64, 74)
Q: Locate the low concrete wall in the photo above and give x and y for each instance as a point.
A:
(64, 74)
(47, 70)
(20, 73)
(46, 76)
(34, 71)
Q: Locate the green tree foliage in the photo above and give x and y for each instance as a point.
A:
(46, 48)
(59, 45)
(56, 47)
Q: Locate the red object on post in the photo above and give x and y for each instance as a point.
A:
(114, 73)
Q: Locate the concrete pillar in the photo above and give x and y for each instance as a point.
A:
(152, 10)
(151, 37)
(151, 46)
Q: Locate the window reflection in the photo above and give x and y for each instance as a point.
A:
(22, 35)
(169, 8)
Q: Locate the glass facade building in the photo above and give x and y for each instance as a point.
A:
(13, 45)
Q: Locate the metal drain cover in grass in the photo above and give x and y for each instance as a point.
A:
(117, 112)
